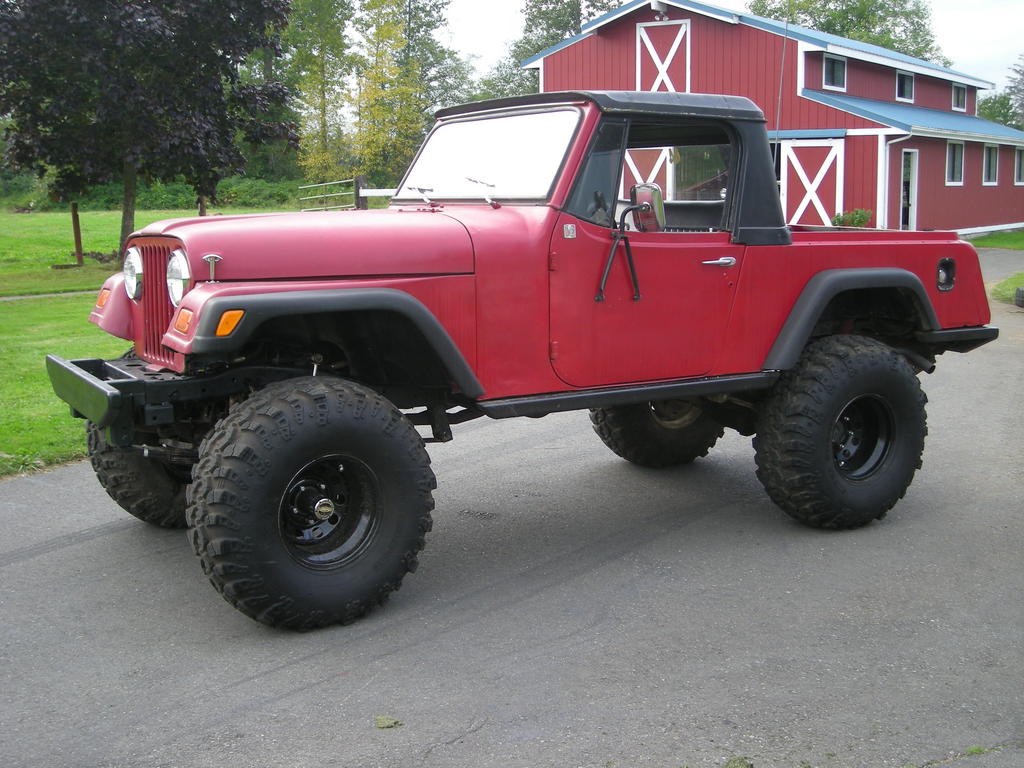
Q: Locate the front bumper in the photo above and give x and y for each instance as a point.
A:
(124, 396)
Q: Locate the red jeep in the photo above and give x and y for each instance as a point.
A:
(281, 361)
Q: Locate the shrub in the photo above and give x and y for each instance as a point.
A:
(858, 217)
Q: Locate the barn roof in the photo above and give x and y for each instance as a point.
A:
(843, 46)
(920, 121)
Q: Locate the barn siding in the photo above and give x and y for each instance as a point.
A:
(875, 81)
(942, 207)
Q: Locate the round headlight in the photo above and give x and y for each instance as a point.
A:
(133, 272)
(178, 276)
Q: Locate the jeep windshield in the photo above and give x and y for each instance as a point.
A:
(507, 157)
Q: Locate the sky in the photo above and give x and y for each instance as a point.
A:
(984, 42)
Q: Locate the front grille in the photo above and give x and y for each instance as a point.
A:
(156, 305)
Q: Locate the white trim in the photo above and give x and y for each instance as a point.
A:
(913, 86)
(912, 225)
(824, 70)
(835, 156)
(984, 165)
(873, 131)
(801, 54)
(989, 228)
(644, 42)
(887, 174)
(981, 138)
(853, 53)
(540, 76)
(952, 97)
(1018, 166)
(963, 163)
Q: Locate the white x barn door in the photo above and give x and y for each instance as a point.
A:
(812, 180)
(663, 56)
(662, 64)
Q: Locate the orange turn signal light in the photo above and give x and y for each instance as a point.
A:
(183, 320)
(229, 321)
(101, 300)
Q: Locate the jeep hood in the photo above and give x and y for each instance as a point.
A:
(322, 244)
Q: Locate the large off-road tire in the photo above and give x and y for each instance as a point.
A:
(310, 501)
(658, 434)
(840, 436)
(146, 488)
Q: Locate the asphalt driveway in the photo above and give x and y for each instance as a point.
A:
(570, 610)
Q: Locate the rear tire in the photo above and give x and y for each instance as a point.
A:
(310, 503)
(143, 487)
(840, 436)
(658, 434)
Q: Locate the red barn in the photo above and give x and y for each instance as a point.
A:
(856, 125)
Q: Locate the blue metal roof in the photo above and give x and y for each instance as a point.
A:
(907, 117)
(822, 39)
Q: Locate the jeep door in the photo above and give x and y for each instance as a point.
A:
(668, 322)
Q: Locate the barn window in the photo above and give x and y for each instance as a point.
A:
(990, 166)
(904, 86)
(1018, 167)
(959, 97)
(954, 163)
(834, 73)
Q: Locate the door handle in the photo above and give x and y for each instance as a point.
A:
(725, 261)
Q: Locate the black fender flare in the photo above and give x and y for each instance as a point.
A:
(824, 287)
(261, 307)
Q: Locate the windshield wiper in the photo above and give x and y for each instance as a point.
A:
(487, 198)
(422, 191)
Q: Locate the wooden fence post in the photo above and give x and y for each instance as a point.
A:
(358, 184)
(77, 228)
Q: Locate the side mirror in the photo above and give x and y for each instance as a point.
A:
(650, 215)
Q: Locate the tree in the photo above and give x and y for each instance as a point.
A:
(404, 75)
(546, 22)
(998, 107)
(318, 65)
(1015, 89)
(96, 90)
(387, 109)
(899, 25)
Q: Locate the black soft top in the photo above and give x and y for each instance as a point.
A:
(629, 102)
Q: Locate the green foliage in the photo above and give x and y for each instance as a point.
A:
(237, 191)
(389, 118)
(546, 22)
(1015, 89)
(319, 63)
(899, 25)
(998, 107)
(858, 217)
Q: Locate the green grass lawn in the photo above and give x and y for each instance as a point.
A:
(30, 243)
(1013, 240)
(36, 429)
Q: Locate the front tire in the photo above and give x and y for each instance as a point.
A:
(145, 488)
(840, 436)
(310, 502)
(657, 434)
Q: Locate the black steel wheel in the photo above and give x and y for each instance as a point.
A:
(310, 502)
(329, 511)
(840, 436)
(657, 434)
